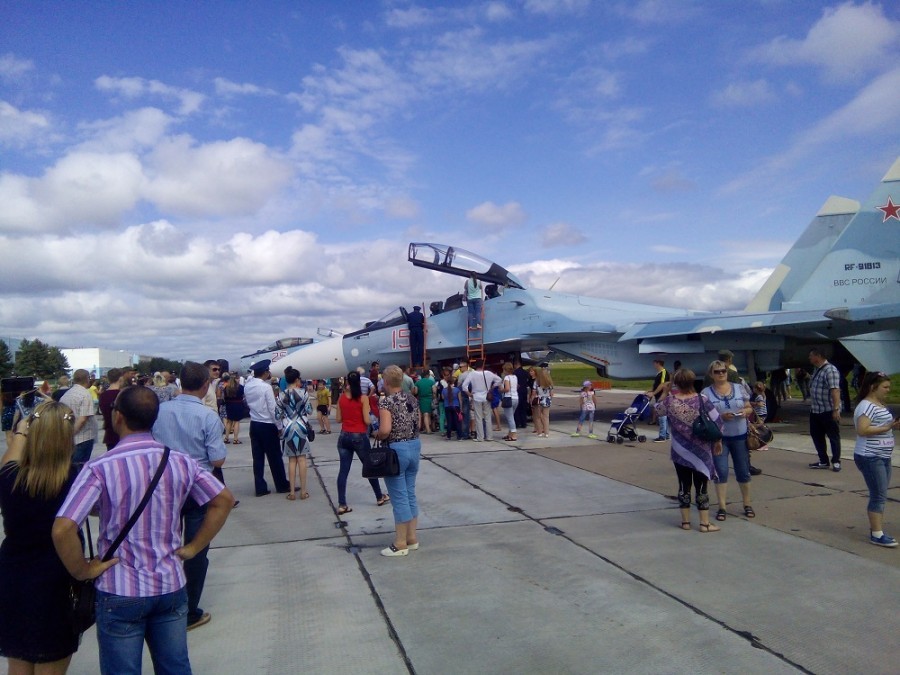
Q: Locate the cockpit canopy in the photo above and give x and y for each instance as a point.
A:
(460, 262)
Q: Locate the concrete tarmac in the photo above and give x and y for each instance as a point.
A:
(559, 555)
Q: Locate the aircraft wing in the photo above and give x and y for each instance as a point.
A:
(833, 323)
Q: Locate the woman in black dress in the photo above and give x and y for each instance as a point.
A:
(235, 407)
(35, 476)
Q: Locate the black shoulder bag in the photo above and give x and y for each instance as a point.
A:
(381, 462)
(82, 594)
(703, 427)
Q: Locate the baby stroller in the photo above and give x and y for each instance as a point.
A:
(622, 429)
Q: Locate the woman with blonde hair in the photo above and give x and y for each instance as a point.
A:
(35, 475)
(160, 387)
(542, 400)
(732, 401)
(399, 426)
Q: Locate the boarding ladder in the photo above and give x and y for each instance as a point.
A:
(475, 340)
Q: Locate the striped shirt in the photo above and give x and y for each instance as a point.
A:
(187, 425)
(880, 445)
(823, 381)
(117, 482)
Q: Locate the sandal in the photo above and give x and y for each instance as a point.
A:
(506, 438)
(291, 496)
(238, 442)
(709, 527)
(343, 509)
(226, 441)
(383, 500)
(685, 524)
(721, 515)
(749, 512)
(305, 495)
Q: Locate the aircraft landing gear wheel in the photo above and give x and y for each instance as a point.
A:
(620, 440)
(642, 439)
(610, 439)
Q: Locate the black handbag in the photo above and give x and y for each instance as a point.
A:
(381, 462)
(83, 593)
(704, 428)
(506, 402)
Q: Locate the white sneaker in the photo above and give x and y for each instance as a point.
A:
(392, 551)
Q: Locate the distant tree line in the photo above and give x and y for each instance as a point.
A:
(33, 358)
(49, 363)
(157, 363)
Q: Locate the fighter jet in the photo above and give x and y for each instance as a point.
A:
(838, 287)
(275, 351)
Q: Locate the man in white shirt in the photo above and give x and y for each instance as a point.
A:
(265, 443)
(478, 385)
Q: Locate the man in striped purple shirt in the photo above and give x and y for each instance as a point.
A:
(140, 592)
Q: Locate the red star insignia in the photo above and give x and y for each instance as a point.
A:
(891, 210)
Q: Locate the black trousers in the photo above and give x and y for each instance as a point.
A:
(822, 426)
(265, 446)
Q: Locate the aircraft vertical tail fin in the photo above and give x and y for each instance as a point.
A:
(805, 255)
(862, 267)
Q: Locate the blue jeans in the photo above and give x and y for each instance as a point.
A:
(509, 414)
(877, 473)
(195, 568)
(349, 444)
(664, 428)
(83, 452)
(736, 446)
(474, 312)
(124, 623)
(402, 488)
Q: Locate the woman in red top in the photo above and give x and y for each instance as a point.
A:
(353, 416)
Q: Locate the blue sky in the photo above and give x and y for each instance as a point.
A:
(196, 179)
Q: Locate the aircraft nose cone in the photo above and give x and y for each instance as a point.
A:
(319, 360)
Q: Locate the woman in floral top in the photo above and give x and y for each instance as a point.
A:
(399, 426)
(692, 457)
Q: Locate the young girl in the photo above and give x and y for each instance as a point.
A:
(451, 409)
(323, 407)
(588, 406)
(759, 401)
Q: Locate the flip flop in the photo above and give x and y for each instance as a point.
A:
(343, 509)
(305, 495)
(291, 496)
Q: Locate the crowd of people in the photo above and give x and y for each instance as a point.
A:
(49, 483)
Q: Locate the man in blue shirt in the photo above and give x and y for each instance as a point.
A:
(186, 425)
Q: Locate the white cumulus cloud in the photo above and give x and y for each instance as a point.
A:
(847, 42)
